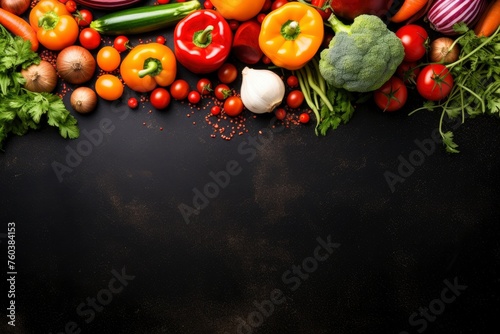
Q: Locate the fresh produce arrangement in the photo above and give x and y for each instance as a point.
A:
(304, 61)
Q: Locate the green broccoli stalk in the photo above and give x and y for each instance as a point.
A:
(360, 57)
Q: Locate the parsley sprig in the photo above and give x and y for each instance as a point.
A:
(477, 82)
(21, 109)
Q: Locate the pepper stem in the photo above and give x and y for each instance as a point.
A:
(203, 38)
(290, 30)
(152, 67)
(48, 21)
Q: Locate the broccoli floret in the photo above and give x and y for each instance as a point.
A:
(361, 57)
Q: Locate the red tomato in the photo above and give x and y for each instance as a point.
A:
(292, 81)
(159, 98)
(434, 82)
(179, 89)
(266, 6)
(278, 3)
(90, 38)
(215, 110)
(132, 103)
(304, 118)
(227, 73)
(280, 113)
(207, 4)
(392, 95)
(83, 17)
(121, 43)
(162, 2)
(222, 92)
(408, 72)
(295, 99)
(204, 86)
(160, 40)
(414, 39)
(194, 97)
(233, 106)
(71, 6)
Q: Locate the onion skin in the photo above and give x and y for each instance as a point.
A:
(83, 100)
(440, 51)
(17, 7)
(443, 14)
(75, 64)
(40, 77)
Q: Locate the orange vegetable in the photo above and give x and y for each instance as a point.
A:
(408, 9)
(241, 10)
(18, 27)
(489, 20)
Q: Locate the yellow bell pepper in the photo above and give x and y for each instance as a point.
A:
(291, 35)
(148, 65)
(241, 10)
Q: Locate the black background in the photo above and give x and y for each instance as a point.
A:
(118, 210)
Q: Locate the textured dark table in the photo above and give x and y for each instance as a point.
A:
(301, 234)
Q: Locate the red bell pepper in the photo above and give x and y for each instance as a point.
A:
(202, 41)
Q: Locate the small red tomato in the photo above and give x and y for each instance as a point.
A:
(266, 6)
(304, 118)
(207, 4)
(292, 81)
(160, 40)
(121, 43)
(83, 17)
(194, 97)
(278, 3)
(414, 39)
(233, 24)
(162, 2)
(392, 95)
(71, 6)
(159, 98)
(227, 73)
(132, 103)
(89, 38)
(222, 92)
(204, 86)
(266, 60)
(295, 99)
(215, 110)
(280, 113)
(261, 17)
(434, 82)
(179, 89)
(233, 106)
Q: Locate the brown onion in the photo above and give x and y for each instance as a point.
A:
(75, 64)
(83, 100)
(17, 7)
(41, 77)
(443, 51)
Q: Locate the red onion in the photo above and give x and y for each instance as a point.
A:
(445, 13)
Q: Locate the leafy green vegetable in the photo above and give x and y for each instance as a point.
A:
(477, 82)
(20, 109)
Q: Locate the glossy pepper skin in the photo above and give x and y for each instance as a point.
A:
(55, 27)
(291, 35)
(241, 10)
(148, 65)
(202, 41)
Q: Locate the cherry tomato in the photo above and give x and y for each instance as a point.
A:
(109, 87)
(207, 4)
(83, 17)
(222, 92)
(295, 99)
(266, 6)
(319, 4)
(121, 43)
(233, 24)
(160, 40)
(159, 98)
(414, 39)
(434, 82)
(233, 106)
(261, 17)
(108, 58)
(227, 73)
(179, 89)
(132, 103)
(194, 97)
(292, 81)
(408, 72)
(266, 60)
(204, 86)
(304, 118)
(163, 2)
(90, 38)
(215, 110)
(392, 95)
(278, 3)
(280, 113)
(71, 6)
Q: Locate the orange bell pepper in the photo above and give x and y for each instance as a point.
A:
(241, 10)
(55, 27)
(291, 35)
(148, 65)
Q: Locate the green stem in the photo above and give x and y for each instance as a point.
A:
(151, 68)
(483, 106)
(203, 38)
(317, 90)
(305, 89)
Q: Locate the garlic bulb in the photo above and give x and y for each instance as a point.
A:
(261, 90)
